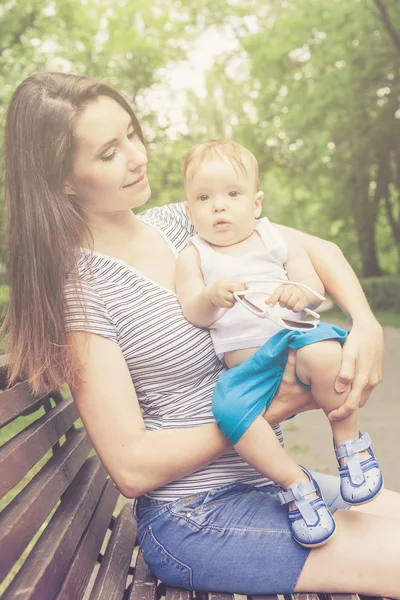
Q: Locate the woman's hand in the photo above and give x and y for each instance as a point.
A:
(291, 398)
(361, 366)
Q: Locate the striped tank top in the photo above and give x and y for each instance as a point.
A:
(172, 363)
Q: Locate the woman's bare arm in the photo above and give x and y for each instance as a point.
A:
(140, 460)
(363, 351)
(136, 459)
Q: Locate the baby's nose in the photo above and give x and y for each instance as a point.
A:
(218, 205)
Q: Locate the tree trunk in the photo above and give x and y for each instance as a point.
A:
(364, 212)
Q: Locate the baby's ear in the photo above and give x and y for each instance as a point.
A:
(186, 205)
(258, 202)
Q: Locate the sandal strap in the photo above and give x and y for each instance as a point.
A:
(297, 492)
(350, 449)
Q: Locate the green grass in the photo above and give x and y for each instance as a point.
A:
(386, 318)
(3, 294)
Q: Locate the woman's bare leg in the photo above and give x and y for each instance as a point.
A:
(363, 557)
(387, 504)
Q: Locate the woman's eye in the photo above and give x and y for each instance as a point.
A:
(107, 157)
(203, 197)
(233, 194)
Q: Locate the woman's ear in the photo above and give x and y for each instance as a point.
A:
(258, 202)
(69, 188)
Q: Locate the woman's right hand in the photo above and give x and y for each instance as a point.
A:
(291, 398)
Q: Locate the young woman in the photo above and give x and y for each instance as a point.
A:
(92, 301)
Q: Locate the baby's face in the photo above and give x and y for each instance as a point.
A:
(223, 202)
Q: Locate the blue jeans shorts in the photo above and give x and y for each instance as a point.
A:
(234, 539)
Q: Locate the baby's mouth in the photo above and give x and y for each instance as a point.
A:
(221, 223)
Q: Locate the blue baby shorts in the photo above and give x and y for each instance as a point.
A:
(244, 392)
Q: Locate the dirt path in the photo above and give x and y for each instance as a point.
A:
(308, 436)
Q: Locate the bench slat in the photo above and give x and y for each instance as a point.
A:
(23, 451)
(342, 596)
(85, 558)
(111, 579)
(306, 596)
(264, 597)
(144, 585)
(24, 515)
(172, 593)
(44, 570)
(16, 400)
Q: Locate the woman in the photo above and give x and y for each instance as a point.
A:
(142, 376)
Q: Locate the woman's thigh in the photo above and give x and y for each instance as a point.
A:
(233, 539)
(362, 557)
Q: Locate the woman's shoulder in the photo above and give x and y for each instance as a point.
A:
(273, 238)
(174, 213)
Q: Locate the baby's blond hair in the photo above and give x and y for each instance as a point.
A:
(240, 157)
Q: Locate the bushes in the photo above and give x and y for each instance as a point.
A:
(3, 300)
(383, 293)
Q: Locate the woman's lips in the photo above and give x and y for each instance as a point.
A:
(138, 180)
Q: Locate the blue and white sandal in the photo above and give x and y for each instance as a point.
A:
(311, 523)
(360, 482)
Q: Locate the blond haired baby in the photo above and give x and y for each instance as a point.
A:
(235, 252)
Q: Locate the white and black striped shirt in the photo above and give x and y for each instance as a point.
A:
(172, 363)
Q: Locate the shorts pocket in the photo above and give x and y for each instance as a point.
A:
(163, 564)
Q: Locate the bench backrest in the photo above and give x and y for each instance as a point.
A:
(54, 490)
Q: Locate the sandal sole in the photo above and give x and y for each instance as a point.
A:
(366, 501)
(311, 546)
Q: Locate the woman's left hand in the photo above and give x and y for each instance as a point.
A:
(361, 366)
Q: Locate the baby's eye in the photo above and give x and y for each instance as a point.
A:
(203, 197)
(233, 194)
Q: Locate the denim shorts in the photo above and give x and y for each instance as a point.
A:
(234, 539)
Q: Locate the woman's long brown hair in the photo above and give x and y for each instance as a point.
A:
(46, 226)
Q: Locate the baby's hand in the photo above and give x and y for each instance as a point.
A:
(292, 297)
(221, 291)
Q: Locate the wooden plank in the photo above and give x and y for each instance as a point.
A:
(172, 593)
(23, 516)
(16, 400)
(85, 557)
(111, 580)
(306, 596)
(20, 453)
(43, 572)
(144, 585)
(341, 597)
(266, 597)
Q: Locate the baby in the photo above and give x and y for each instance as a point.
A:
(234, 255)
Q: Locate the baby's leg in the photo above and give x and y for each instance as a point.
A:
(260, 447)
(318, 365)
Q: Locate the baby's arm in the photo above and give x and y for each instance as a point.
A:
(300, 269)
(200, 303)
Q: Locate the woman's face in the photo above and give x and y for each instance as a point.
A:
(109, 167)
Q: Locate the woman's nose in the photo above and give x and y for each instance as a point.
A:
(137, 156)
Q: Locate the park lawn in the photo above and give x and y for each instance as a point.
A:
(387, 318)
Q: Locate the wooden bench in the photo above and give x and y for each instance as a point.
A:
(87, 544)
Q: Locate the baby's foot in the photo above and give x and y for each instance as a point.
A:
(310, 521)
(360, 476)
